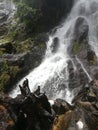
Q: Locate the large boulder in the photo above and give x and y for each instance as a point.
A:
(81, 29)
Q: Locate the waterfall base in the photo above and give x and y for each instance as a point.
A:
(35, 112)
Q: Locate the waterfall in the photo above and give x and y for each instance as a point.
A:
(53, 73)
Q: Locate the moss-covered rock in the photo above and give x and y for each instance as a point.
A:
(78, 47)
(4, 80)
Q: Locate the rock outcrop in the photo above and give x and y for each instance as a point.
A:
(35, 112)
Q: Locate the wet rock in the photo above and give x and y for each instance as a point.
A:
(34, 111)
(91, 57)
(77, 76)
(95, 72)
(29, 110)
(55, 45)
(81, 29)
(90, 115)
(60, 106)
(6, 121)
(73, 76)
(62, 122)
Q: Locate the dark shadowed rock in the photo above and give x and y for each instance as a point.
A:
(81, 29)
(55, 44)
(30, 110)
(60, 106)
(91, 57)
(95, 72)
(8, 47)
(52, 12)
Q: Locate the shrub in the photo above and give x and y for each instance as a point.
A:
(28, 16)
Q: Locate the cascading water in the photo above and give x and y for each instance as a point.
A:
(53, 73)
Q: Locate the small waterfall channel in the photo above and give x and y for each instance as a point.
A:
(53, 73)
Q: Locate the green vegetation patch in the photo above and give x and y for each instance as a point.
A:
(14, 70)
(75, 47)
(78, 47)
(7, 73)
(4, 79)
(5, 40)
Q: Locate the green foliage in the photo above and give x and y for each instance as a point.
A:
(28, 16)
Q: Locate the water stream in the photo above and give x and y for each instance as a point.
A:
(53, 73)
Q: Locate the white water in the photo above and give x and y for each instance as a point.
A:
(53, 71)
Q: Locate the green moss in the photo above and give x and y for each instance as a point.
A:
(23, 46)
(78, 47)
(42, 45)
(14, 70)
(93, 61)
(4, 79)
(7, 73)
(28, 16)
(83, 44)
(5, 66)
(75, 47)
(1, 53)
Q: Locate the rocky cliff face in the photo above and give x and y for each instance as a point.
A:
(53, 11)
